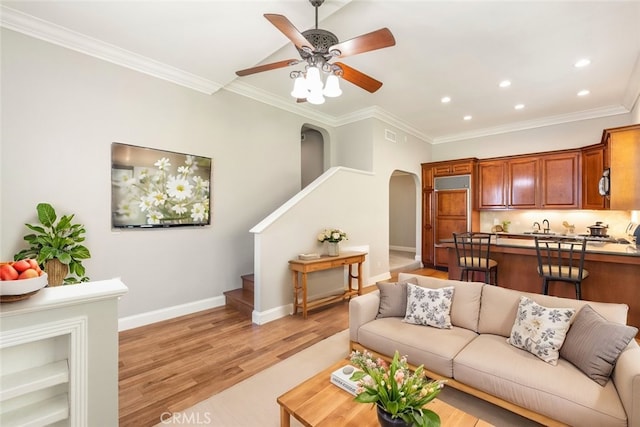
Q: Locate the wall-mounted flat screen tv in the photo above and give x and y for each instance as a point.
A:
(153, 188)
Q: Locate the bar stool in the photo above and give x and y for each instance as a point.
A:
(473, 255)
(561, 260)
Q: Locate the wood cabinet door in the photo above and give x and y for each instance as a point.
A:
(560, 181)
(492, 185)
(592, 168)
(523, 183)
(428, 257)
(451, 207)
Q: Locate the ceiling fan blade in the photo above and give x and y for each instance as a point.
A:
(288, 29)
(358, 78)
(267, 67)
(371, 41)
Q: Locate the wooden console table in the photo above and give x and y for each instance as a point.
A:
(301, 268)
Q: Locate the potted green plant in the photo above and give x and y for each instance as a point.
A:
(56, 246)
(399, 394)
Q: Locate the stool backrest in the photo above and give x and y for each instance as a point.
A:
(556, 252)
(472, 249)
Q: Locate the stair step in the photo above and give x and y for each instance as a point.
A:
(240, 299)
(247, 282)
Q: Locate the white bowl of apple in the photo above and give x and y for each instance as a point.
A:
(20, 280)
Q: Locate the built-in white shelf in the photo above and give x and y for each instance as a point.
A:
(52, 374)
(38, 414)
(33, 379)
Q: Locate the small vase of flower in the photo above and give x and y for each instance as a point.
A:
(333, 237)
(399, 394)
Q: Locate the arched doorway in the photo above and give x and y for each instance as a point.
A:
(403, 229)
(312, 154)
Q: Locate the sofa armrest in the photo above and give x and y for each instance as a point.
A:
(362, 309)
(626, 377)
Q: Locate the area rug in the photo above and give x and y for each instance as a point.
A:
(252, 402)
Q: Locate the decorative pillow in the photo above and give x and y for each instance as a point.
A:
(393, 298)
(540, 330)
(593, 344)
(426, 306)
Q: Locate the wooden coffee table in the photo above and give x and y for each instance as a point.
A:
(318, 402)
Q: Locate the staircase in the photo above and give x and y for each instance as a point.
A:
(241, 299)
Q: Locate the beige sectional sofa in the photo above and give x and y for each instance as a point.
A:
(475, 356)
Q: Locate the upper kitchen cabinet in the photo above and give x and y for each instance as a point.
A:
(508, 183)
(560, 178)
(538, 181)
(593, 165)
(624, 159)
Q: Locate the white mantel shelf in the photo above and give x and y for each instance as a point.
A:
(59, 355)
(60, 296)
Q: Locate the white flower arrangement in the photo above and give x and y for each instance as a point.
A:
(333, 235)
(162, 196)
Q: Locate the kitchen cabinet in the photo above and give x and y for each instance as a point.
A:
(560, 174)
(492, 185)
(508, 183)
(593, 164)
(540, 181)
(428, 248)
(444, 212)
(624, 159)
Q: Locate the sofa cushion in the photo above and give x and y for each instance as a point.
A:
(465, 305)
(433, 347)
(540, 330)
(393, 298)
(561, 392)
(499, 306)
(430, 307)
(593, 344)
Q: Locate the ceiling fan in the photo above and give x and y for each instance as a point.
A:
(317, 48)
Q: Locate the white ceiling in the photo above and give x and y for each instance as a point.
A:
(461, 49)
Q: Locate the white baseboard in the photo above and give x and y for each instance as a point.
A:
(402, 248)
(262, 317)
(167, 313)
(383, 276)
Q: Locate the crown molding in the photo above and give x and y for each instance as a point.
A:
(52, 33)
(61, 36)
(537, 123)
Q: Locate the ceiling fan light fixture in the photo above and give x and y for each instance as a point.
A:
(315, 97)
(299, 88)
(332, 87)
(313, 79)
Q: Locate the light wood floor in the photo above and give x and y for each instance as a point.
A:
(169, 366)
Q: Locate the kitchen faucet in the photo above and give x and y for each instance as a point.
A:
(536, 224)
(547, 227)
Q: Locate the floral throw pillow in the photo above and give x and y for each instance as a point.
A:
(426, 306)
(540, 330)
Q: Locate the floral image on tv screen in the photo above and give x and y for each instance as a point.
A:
(157, 188)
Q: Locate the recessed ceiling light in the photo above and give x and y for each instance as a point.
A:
(582, 63)
(466, 118)
(583, 92)
(505, 83)
(519, 106)
(445, 99)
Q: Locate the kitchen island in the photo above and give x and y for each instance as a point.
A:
(614, 271)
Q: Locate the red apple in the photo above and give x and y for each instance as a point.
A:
(7, 272)
(29, 273)
(21, 265)
(33, 264)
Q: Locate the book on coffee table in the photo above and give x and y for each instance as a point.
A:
(340, 377)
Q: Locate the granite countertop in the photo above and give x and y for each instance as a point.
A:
(527, 241)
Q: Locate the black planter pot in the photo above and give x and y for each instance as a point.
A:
(385, 420)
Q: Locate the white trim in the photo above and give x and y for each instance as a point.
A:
(260, 318)
(402, 248)
(77, 329)
(537, 123)
(167, 313)
(61, 36)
